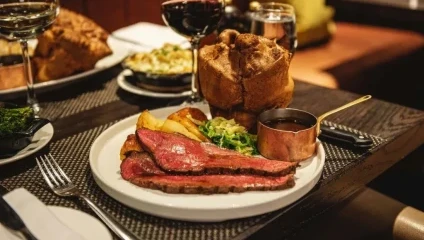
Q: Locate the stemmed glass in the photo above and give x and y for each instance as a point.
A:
(23, 20)
(276, 21)
(193, 19)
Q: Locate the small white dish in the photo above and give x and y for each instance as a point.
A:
(41, 138)
(86, 225)
(105, 166)
(127, 86)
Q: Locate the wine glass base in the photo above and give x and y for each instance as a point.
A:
(35, 108)
(193, 101)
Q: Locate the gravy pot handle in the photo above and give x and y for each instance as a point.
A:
(342, 136)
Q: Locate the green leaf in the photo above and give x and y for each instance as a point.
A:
(228, 134)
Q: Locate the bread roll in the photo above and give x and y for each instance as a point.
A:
(244, 74)
(12, 76)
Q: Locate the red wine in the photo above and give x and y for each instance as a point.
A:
(287, 124)
(193, 17)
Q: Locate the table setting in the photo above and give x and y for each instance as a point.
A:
(58, 222)
(195, 158)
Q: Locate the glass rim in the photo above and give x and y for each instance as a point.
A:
(281, 7)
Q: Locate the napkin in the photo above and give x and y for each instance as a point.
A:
(150, 34)
(37, 217)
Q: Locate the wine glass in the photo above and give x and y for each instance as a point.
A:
(23, 20)
(276, 21)
(193, 19)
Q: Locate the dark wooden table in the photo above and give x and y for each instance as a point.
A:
(404, 127)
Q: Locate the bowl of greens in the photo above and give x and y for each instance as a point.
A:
(17, 127)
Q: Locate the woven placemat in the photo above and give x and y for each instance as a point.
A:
(84, 96)
(72, 154)
(337, 157)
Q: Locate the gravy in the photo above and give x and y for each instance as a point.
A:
(287, 124)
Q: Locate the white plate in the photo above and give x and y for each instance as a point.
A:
(86, 225)
(120, 51)
(40, 139)
(127, 86)
(105, 165)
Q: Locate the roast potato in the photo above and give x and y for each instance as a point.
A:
(178, 122)
(185, 116)
(171, 126)
(147, 120)
(130, 145)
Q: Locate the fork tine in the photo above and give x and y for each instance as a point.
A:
(54, 168)
(43, 161)
(60, 169)
(44, 174)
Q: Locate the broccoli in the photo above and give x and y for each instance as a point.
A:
(228, 134)
(15, 120)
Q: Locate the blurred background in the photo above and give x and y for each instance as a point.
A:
(364, 46)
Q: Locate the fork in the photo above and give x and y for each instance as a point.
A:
(61, 185)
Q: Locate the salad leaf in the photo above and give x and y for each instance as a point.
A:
(229, 134)
(14, 120)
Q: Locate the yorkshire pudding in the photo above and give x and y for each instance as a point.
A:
(244, 74)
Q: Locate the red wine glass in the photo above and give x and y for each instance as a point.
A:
(193, 19)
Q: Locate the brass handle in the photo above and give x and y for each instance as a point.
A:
(359, 100)
(409, 225)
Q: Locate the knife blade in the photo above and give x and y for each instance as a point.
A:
(10, 219)
(3, 190)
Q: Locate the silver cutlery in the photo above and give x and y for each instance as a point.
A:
(3, 190)
(61, 185)
(10, 219)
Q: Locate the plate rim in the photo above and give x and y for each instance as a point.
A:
(118, 56)
(122, 83)
(59, 211)
(149, 207)
(28, 153)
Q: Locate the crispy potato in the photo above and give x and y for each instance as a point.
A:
(147, 120)
(178, 122)
(172, 126)
(182, 117)
(130, 145)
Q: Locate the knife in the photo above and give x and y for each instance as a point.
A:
(342, 136)
(10, 219)
(3, 190)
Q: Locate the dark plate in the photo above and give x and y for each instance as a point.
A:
(17, 141)
(161, 82)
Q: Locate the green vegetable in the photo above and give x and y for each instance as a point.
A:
(229, 134)
(14, 120)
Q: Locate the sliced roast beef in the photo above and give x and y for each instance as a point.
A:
(141, 170)
(209, 184)
(139, 164)
(178, 154)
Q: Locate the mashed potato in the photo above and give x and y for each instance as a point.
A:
(169, 59)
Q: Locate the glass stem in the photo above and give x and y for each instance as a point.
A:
(31, 98)
(194, 84)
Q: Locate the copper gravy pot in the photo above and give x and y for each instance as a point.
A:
(290, 134)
